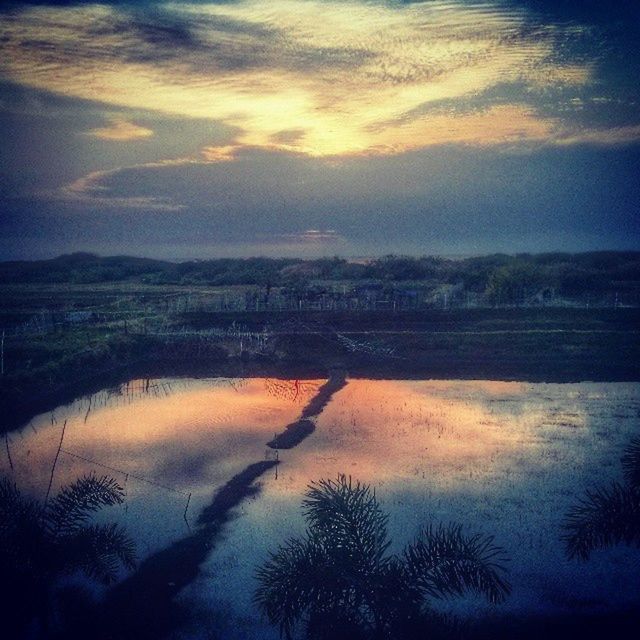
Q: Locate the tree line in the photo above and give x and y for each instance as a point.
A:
(500, 276)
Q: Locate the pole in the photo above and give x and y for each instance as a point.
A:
(55, 460)
(186, 509)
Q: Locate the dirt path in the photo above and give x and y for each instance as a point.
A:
(297, 431)
(142, 606)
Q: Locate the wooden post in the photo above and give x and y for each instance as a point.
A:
(6, 442)
(55, 461)
(275, 438)
(186, 509)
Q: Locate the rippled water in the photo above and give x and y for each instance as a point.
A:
(503, 458)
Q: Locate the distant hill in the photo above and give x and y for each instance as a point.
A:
(79, 268)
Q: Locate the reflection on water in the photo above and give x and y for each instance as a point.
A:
(504, 458)
(162, 440)
(293, 390)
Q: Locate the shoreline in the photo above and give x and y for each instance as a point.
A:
(21, 404)
(545, 345)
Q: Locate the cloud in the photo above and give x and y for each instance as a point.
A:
(321, 78)
(220, 153)
(614, 136)
(311, 237)
(120, 130)
(510, 128)
(96, 188)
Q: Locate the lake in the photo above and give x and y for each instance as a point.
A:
(502, 458)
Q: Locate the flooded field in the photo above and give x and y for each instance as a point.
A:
(503, 458)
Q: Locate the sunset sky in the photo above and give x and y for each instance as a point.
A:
(318, 127)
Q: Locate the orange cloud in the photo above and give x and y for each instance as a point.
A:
(120, 130)
(345, 77)
(325, 79)
(94, 189)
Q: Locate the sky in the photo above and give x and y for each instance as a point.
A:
(206, 129)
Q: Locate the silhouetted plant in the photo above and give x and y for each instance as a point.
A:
(631, 464)
(40, 542)
(341, 581)
(609, 515)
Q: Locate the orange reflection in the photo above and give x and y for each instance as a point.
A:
(419, 438)
(506, 458)
(193, 436)
(439, 434)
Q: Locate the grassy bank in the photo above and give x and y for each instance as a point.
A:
(56, 362)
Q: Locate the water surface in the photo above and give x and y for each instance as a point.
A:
(506, 459)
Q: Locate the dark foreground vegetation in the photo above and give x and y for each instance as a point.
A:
(340, 581)
(607, 516)
(42, 542)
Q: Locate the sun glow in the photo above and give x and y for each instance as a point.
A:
(350, 78)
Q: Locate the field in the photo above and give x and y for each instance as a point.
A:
(63, 340)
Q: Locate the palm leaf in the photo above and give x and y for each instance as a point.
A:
(443, 562)
(304, 578)
(97, 550)
(10, 499)
(631, 463)
(397, 602)
(340, 581)
(22, 539)
(602, 518)
(75, 503)
(290, 582)
(346, 516)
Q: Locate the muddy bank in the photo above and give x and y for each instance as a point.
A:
(572, 346)
(297, 431)
(292, 435)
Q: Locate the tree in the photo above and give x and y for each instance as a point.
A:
(513, 283)
(41, 542)
(341, 581)
(607, 516)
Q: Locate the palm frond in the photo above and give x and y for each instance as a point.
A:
(603, 517)
(290, 582)
(76, 502)
(10, 498)
(97, 550)
(12, 505)
(347, 517)
(22, 538)
(396, 601)
(631, 464)
(443, 562)
(340, 582)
